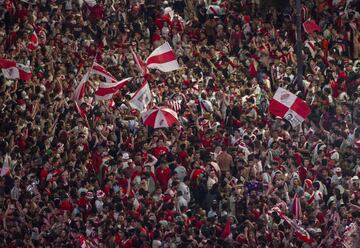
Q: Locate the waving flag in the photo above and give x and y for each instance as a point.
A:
(163, 58)
(33, 41)
(300, 232)
(139, 62)
(100, 70)
(142, 98)
(106, 91)
(13, 70)
(288, 106)
(80, 89)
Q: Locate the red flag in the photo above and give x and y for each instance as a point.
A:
(33, 41)
(311, 27)
(163, 58)
(13, 70)
(106, 91)
(288, 106)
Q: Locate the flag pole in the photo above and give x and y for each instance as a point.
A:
(299, 45)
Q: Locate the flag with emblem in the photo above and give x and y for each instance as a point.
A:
(142, 97)
(289, 107)
(13, 70)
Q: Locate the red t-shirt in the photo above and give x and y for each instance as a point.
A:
(163, 176)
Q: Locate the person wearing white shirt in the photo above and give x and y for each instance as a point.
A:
(184, 188)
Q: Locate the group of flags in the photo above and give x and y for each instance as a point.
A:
(162, 58)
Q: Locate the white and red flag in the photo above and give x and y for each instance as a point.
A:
(5, 169)
(296, 207)
(100, 70)
(33, 41)
(140, 63)
(13, 70)
(288, 106)
(163, 58)
(80, 89)
(106, 91)
(142, 97)
(299, 231)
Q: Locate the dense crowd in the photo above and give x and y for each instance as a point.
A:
(214, 178)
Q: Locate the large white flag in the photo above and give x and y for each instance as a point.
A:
(142, 98)
(163, 58)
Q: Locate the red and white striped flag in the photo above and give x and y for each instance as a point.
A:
(33, 41)
(100, 70)
(296, 207)
(13, 70)
(163, 58)
(300, 232)
(106, 91)
(80, 89)
(288, 106)
(140, 63)
(5, 169)
(142, 98)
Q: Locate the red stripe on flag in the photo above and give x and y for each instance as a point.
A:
(161, 58)
(5, 63)
(277, 108)
(112, 90)
(301, 108)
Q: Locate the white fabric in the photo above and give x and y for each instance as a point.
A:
(285, 97)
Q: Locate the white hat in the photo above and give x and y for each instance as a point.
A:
(125, 156)
(338, 170)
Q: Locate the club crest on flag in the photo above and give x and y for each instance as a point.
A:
(285, 96)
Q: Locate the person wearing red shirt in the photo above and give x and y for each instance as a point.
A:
(96, 160)
(163, 174)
